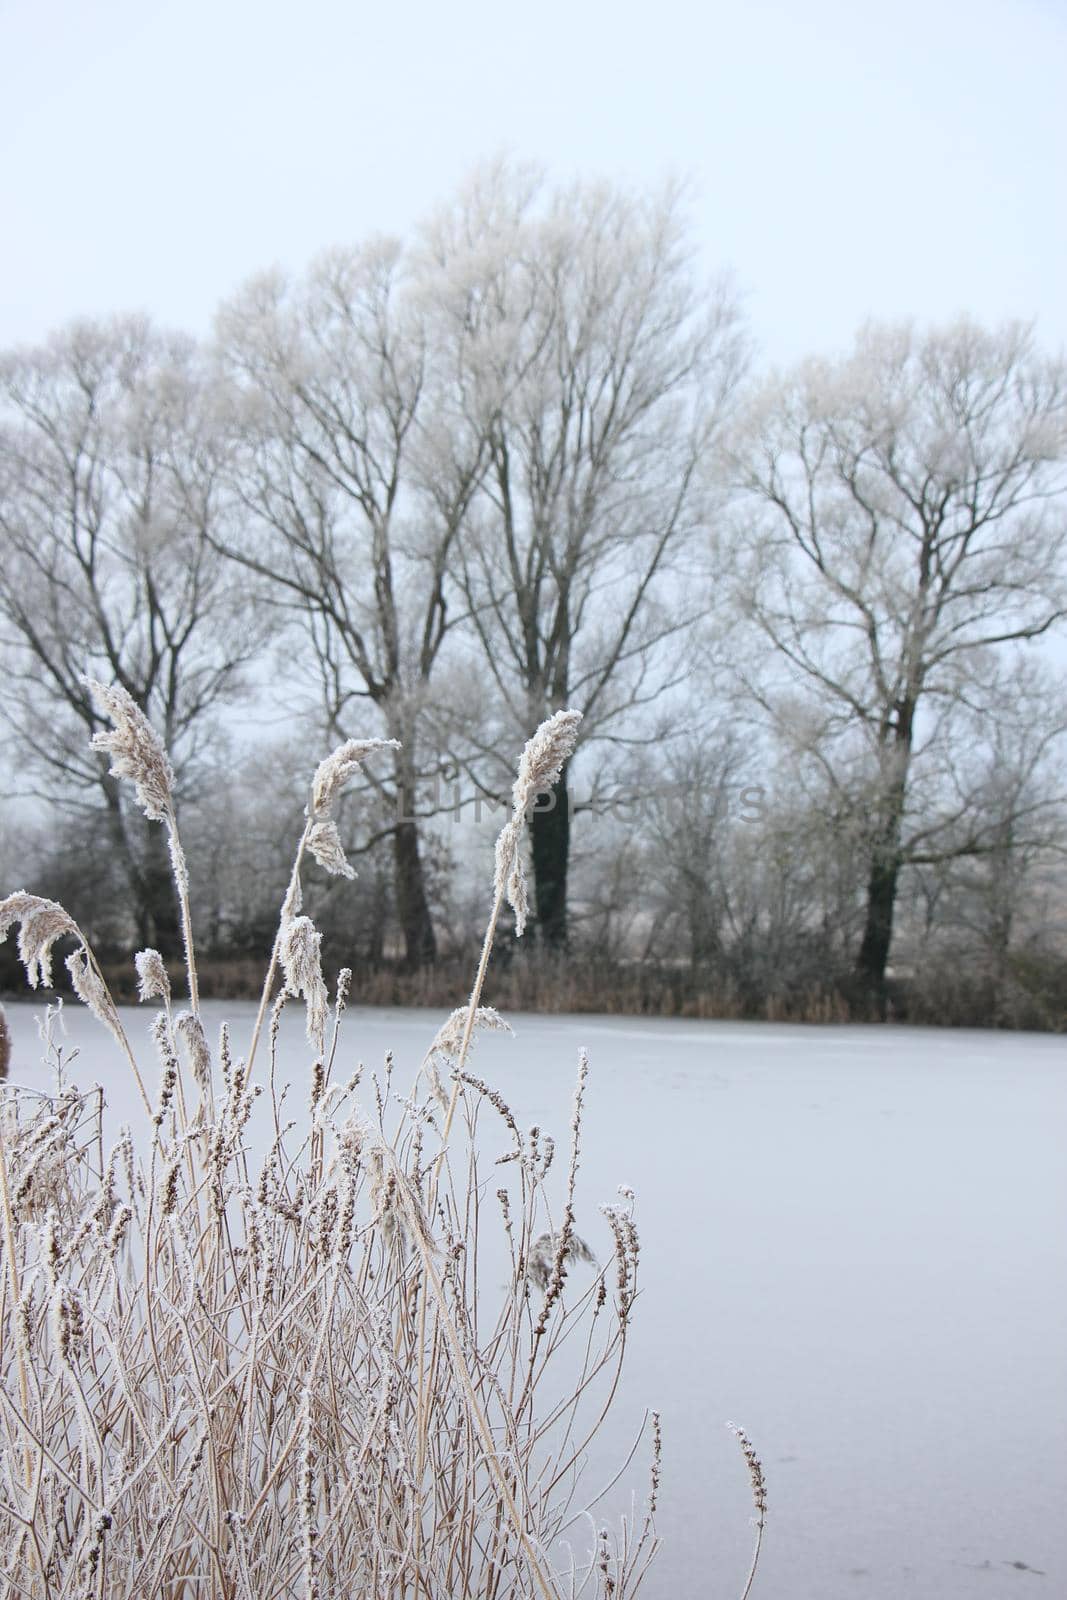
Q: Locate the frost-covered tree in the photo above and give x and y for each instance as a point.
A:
(985, 909)
(597, 365)
(902, 532)
(349, 509)
(108, 494)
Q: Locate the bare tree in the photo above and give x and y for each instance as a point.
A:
(350, 509)
(598, 368)
(982, 909)
(749, 882)
(903, 528)
(108, 570)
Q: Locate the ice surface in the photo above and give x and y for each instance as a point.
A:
(853, 1245)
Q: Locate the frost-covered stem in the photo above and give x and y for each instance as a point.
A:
(472, 1010)
(114, 1025)
(288, 906)
(543, 758)
(16, 1296)
(313, 1369)
(462, 1372)
(181, 883)
(747, 1590)
(759, 1497)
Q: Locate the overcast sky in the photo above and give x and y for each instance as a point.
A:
(846, 159)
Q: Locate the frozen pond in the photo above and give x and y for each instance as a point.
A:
(853, 1245)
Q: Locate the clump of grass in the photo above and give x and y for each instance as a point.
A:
(256, 1352)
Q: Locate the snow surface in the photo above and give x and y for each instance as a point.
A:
(853, 1245)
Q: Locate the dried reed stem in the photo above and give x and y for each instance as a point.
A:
(289, 904)
(540, 764)
(11, 1253)
(546, 1588)
(321, 838)
(759, 1498)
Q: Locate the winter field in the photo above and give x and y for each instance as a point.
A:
(852, 1245)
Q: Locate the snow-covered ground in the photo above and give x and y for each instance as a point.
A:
(853, 1245)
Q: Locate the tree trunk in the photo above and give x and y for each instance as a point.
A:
(702, 916)
(159, 917)
(882, 882)
(550, 837)
(884, 875)
(878, 928)
(378, 920)
(412, 901)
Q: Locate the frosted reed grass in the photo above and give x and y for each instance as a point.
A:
(262, 1348)
(321, 838)
(540, 765)
(137, 753)
(759, 1498)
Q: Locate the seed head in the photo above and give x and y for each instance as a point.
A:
(42, 922)
(755, 1471)
(544, 756)
(332, 774)
(449, 1036)
(324, 842)
(190, 1031)
(540, 766)
(135, 748)
(152, 980)
(301, 959)
(91, 989)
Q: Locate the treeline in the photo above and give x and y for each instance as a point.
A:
(433, 490)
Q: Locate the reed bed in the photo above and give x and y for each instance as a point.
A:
(264, 1347)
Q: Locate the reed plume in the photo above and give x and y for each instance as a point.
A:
(136, 750)
(42, 923)
(301, 960)
(321, 838)
(138, 756)
(152, 980)
(339, 768)
(540, 766)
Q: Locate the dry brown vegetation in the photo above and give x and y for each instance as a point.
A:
(257, 1351)
(943, 992)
